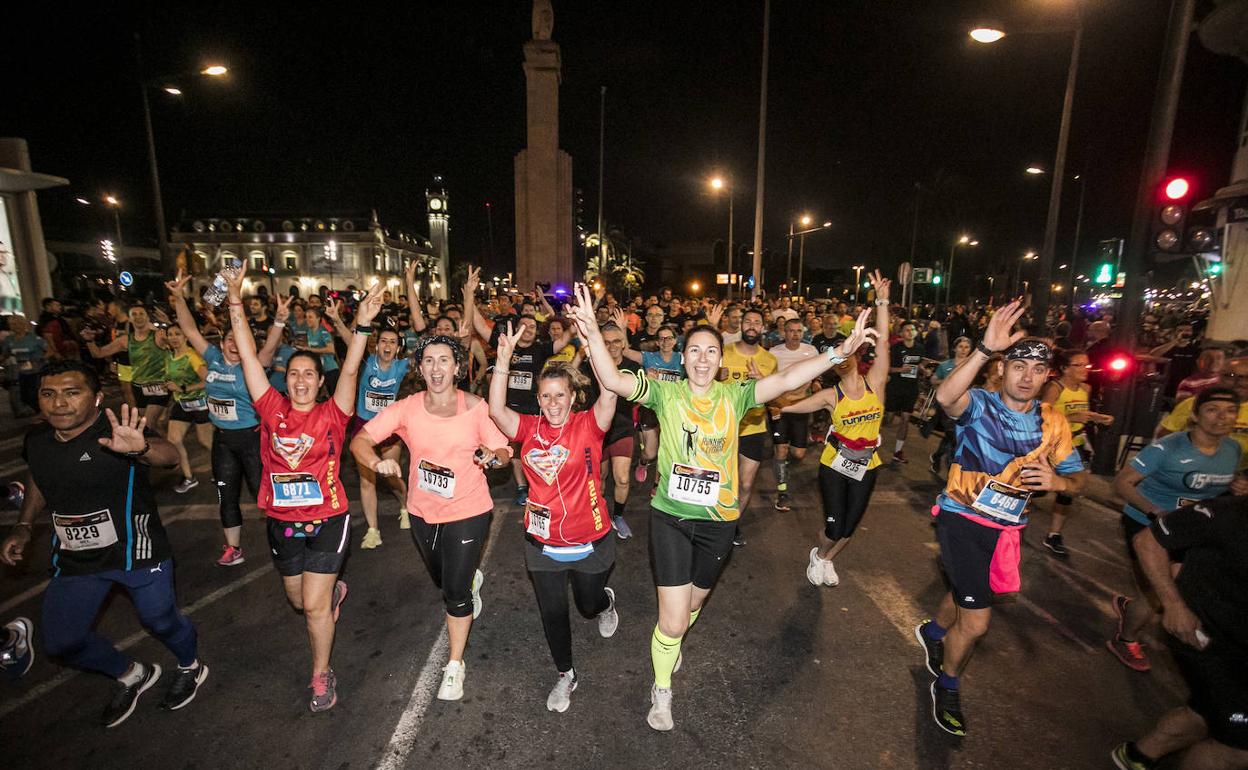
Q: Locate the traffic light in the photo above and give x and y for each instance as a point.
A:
(936, 279)
(1170, 220)
(1104, 274)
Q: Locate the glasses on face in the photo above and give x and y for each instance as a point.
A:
(666, 339)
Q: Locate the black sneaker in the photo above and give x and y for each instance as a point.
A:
(738, 538)
(934, 649)
(185, 684)
(947, 710)
(127, 696)
(782, 502)
(1053, 542)
(933, 465)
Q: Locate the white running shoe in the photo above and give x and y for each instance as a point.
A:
(830, 578)
(404, 522)
(660, 716)
(186, 485)
(452, 681)
(814, 568)
(478, 580)
(561, 694)
(372, 539)
(608, 619)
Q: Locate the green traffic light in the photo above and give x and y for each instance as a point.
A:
(1104, 274)
(936, 279)
(1215, 268)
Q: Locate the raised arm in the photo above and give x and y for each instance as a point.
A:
(333, 311)
(824, 399)
(507, 420)
(344, 392)
(413, 300)
(274, 338)
(541, 300)
(952, 392)
(877, 375)
(186, 322)
(466, 328)
(774, 385)
(609, 377)
(617, 318)
(253, 370)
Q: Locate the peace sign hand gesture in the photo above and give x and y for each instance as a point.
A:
(997, 336)
(582, 312)
(175, 286)
(507, 342)
(369, 307)
(880, 284)
(127, 436)
(858, 336)
(473, 282)
(283, 308)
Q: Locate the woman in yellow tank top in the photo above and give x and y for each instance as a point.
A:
(1069, 394)
(847, 468)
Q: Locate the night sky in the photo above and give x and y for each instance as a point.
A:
(334, 108)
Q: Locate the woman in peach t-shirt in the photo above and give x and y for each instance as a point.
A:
(450, 437)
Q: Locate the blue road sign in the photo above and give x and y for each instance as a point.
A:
(125, 278)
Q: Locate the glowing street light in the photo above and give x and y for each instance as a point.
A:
(173, 90)
(214, 71)
(1034, 170)
(963, 240)
(718, 183)
(827, 224)
(112, 200)
(806, 220)
(986, 35)
(83, 201)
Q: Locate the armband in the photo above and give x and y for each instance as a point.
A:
(982, 348)
(365, 330)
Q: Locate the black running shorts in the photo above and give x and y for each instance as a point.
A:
(684, 551)
(309, 546)
(751, 446)
(966, 550)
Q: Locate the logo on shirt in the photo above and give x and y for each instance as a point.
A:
(377, 382)
(86, 457)
(546, 462)
(291, 449)
(1202, 480)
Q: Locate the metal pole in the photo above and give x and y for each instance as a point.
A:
(602, 133)
(1044, 280)
(162, 233)
(788, 263)
(1074, 252)
(801, 262)
(731, 192)
(489, 218)
(857, 282)
(948, 274)
(762, 148)
(914, 239)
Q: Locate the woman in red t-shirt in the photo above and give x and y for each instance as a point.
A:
(301, 490)
(567, 526)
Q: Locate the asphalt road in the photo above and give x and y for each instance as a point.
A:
(776, 673)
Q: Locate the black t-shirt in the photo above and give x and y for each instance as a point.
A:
(102, 507)
(622, 423)
(909, 357)
(1182, 364)
(526, 364)
(500, 326)
(1213, 538)
(641, 337)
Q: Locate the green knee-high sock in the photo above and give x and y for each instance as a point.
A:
(663, 653)
(693, 617)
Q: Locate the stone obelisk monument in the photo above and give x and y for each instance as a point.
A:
(543, 171)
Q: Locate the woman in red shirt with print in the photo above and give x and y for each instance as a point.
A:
(301, 489)
(567, 526)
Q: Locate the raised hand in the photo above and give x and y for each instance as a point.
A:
(127, 434)
(582, 311)
(410, 271)
(333, 310)
(370, 306)
(858, 336)
(616, 315)
(283, 308)
(997, 336)
(507, 342)
(234, 278)
(473, 282)
(713, 314)
(175, 286)
(880, 284)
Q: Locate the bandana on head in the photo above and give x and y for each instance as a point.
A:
(1029, 350)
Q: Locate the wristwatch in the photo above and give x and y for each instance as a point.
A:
(982, 348)
(147, 445)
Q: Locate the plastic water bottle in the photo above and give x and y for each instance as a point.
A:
(220, 287)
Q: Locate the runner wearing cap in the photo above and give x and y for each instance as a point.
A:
(1009, 445)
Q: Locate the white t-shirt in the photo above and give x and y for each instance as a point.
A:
(731, 338)
(786, 357)
(786, 313)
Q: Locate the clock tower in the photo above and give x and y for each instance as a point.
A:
(439, 230)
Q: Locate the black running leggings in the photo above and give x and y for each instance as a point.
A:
(589, 593)
(451, 553)
(235, 455)
(844, 501)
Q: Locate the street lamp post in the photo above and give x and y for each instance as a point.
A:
(801, 262)
(1018, 272)
(115, 204)
(964, 240)
(857, 280)
(719, 183)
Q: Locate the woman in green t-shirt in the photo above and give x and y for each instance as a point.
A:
(695, 506)
(185, 371)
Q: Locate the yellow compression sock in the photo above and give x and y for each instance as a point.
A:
(663, 653)
(693, 617)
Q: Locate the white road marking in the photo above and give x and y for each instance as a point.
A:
(408, 728)
(893, 601)
(66, 674)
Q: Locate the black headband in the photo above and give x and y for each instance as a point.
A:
(1029, 350)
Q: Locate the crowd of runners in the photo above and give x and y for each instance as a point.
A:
(681, 402)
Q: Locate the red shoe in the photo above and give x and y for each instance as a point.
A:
(231, 556)
(900, 457)
(1131, 654)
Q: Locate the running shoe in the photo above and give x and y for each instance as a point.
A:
(339, 596)
(404, 522)
(814, 568)
(324, 691)
(17, 654)
(933, 649)
(231, 556)
(522, 496)
(372, 539)
(947, 710)
(1123, 760)
(782, 502)
(126, 697)
(830, 578)
(16, 493)
(452, 687)
(900, 457)
(608, 619)
(738, 539)
(640, 472)
(933, 465)
(478, 580)
(1053, 542)
(185, 684)
(622, 530)
(561, 694)
(1131, 654)
(660, 716)
(186, 485)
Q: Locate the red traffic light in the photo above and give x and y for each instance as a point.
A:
(1119, 363)
(1177, 188)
